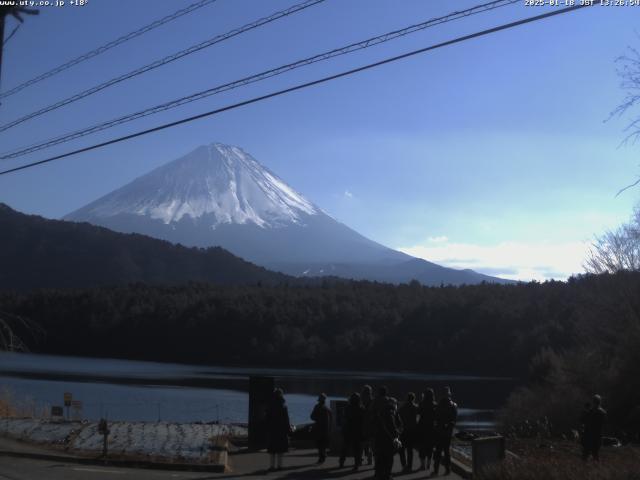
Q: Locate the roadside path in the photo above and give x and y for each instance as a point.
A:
(299, 464)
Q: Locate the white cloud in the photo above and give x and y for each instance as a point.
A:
(348, 194)
(512, 260)
(439, 239)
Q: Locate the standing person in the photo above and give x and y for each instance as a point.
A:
(321, 415)
(387, 441)
(380, 402)
(278, 429)
(426, 428)
(584, 416)
(369, 422)
(409, 417)
(445, 419)
(593, 423)
(353, 431)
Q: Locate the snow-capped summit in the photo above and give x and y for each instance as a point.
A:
(219, 195)
(220, 181)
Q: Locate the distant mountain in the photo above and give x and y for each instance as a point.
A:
(40, 253)
(218, 195)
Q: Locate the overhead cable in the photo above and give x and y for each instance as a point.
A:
(163, 61)
(302, 86)
(370, 42)
(107, 46)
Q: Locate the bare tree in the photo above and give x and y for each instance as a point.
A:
(9, 340)
(619, 250)
(616, 250)
(629, 73)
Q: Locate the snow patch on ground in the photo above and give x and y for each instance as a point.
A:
(188, 442)
(36, 431)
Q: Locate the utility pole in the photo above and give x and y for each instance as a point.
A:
(2, 15)
(15, 12)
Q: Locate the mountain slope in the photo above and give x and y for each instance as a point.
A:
(40, 253)
(220, 195)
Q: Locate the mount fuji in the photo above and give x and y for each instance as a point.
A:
(219, 195)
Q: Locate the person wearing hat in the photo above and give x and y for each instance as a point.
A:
(593, 421)
(321, 416)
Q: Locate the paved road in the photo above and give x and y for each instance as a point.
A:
(27, 469)
(298, 465)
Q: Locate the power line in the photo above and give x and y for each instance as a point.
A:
(108, 46)
(303, 85)
(370, 42)
(163, 61)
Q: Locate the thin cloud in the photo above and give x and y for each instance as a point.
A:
(497, 272)
(510, 260)
(439, 239)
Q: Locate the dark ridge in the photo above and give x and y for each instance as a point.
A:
(39, 253)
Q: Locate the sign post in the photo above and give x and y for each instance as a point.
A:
(76, 407)
(68, 398)
(103, 428)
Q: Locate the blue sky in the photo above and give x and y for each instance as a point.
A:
(492, 154)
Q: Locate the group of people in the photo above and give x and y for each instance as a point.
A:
(376, 428)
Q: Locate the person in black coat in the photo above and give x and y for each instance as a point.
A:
(593, 420)
(426, 428)
(387, 438)
(278, 429)
(409, 416)
(369, 423)
(321, 415)
(445, 419)
(380, 402)
(353, 431)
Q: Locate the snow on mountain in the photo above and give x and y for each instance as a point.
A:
(216, 179)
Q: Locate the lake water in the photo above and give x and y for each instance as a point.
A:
(149, 391)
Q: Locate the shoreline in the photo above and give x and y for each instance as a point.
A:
(244, 370)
